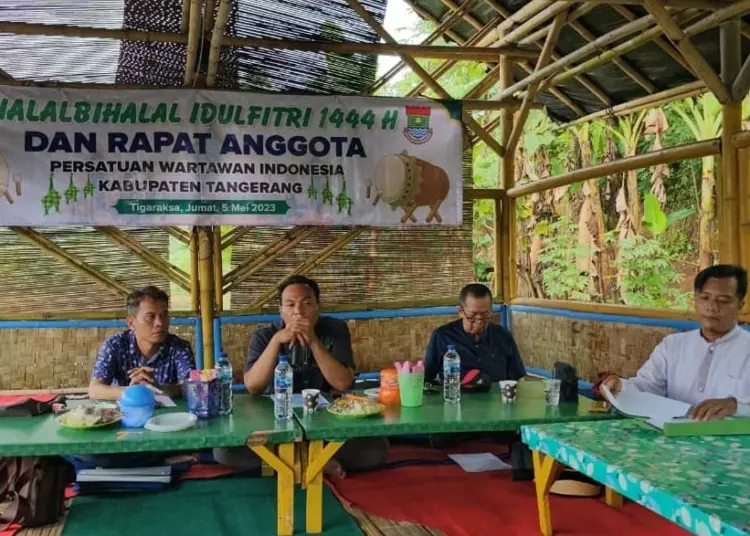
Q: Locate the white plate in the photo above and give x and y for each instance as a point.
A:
(171, 422)
(372, 393)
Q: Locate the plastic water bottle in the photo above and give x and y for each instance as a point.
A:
(283, 379)
(224, 371)
(452, 376)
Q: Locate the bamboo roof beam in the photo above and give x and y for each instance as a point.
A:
(651, 101)
(515, 21)
(639, 161)
(424, 75)
(703, 23)
(443, 25)
(310, 265)
(192, 40)
(695, 4)
(662, 43)
(692, 55)
(622, 32)
(544, 58)
(623, 65)
(165, 268)
(234, 236)
(48, 246)
(179, 234)
(389, 48)
(266, 256)
(225, 7)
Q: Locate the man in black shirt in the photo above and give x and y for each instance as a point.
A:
(483, 346)
(319, 348)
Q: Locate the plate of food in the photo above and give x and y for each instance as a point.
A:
(88, 417)
(355, 407)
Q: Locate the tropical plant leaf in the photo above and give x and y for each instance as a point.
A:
(654, 218)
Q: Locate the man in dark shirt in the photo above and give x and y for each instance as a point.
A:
(482, 345)
(319, 349)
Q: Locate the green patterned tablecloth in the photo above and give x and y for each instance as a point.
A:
(700, 483)
(483, 412)
(41, 436)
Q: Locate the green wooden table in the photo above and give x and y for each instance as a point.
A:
(483, 412)
(699, 483)
(251, 424)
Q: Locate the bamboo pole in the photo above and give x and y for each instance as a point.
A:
(696, 4)
(442, 27)
(476, 194)
(53, 249)
(523, 113)
(308, 266)
(218, 269)
(607, 309)
(195, 301)
(650, 101)
(84, 315)
(424, 75)
(691, 54)
(743, 157)
(266, 257)
(225, 8)
(206, 268)
(639, 161)
(703, 23)
(728, 190)
(192, 41)
(662, 43)
(234, 236)
(208, 17)
(622, 32)
(165, 268)
(185, 16)
(741, 140)
(178, 233)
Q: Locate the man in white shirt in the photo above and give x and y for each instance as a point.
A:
(709, 367)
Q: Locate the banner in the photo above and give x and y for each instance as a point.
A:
(186, 157)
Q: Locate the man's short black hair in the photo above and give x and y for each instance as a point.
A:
(300, 280)
(475, 290)
(138, 295)
(723, 271)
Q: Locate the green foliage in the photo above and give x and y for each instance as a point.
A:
(560, 274)
(650, 277)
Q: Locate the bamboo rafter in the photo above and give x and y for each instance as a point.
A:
(167, 269)
(691, 54)
(389, 48)
(225, 7)
(639, 161)
(53, 249)
(308, 266)
(696, 4)
(531, 94)
(179, 234)
(234, 235)
(266, 256)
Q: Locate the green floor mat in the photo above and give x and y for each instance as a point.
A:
(226, 507)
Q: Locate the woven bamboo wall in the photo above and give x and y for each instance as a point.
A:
(592, 347)
(377, 343)
(52, 358)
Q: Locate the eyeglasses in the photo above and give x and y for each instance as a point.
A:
(479, 317)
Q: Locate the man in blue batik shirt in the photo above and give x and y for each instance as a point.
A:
(146, 353)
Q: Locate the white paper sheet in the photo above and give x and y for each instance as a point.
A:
(479, 463)
(164, 401)
(634, 403)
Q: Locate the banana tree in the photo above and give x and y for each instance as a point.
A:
(703, 117)
(628, 132)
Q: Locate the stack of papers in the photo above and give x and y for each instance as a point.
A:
(657, 409)
(479, 463)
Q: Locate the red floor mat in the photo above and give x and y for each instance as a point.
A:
(463, 504)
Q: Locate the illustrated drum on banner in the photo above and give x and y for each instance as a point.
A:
(191, 157)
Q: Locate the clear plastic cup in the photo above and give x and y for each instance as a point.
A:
(552, 392)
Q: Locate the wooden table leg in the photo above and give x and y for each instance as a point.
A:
(613, 499)
(283, 464)
(546, 471)
(317, 458)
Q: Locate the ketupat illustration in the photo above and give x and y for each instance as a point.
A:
(88, 189)
(327, 193)
(71, 193)
(52, 197)
(344, 201)
(312, 192)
